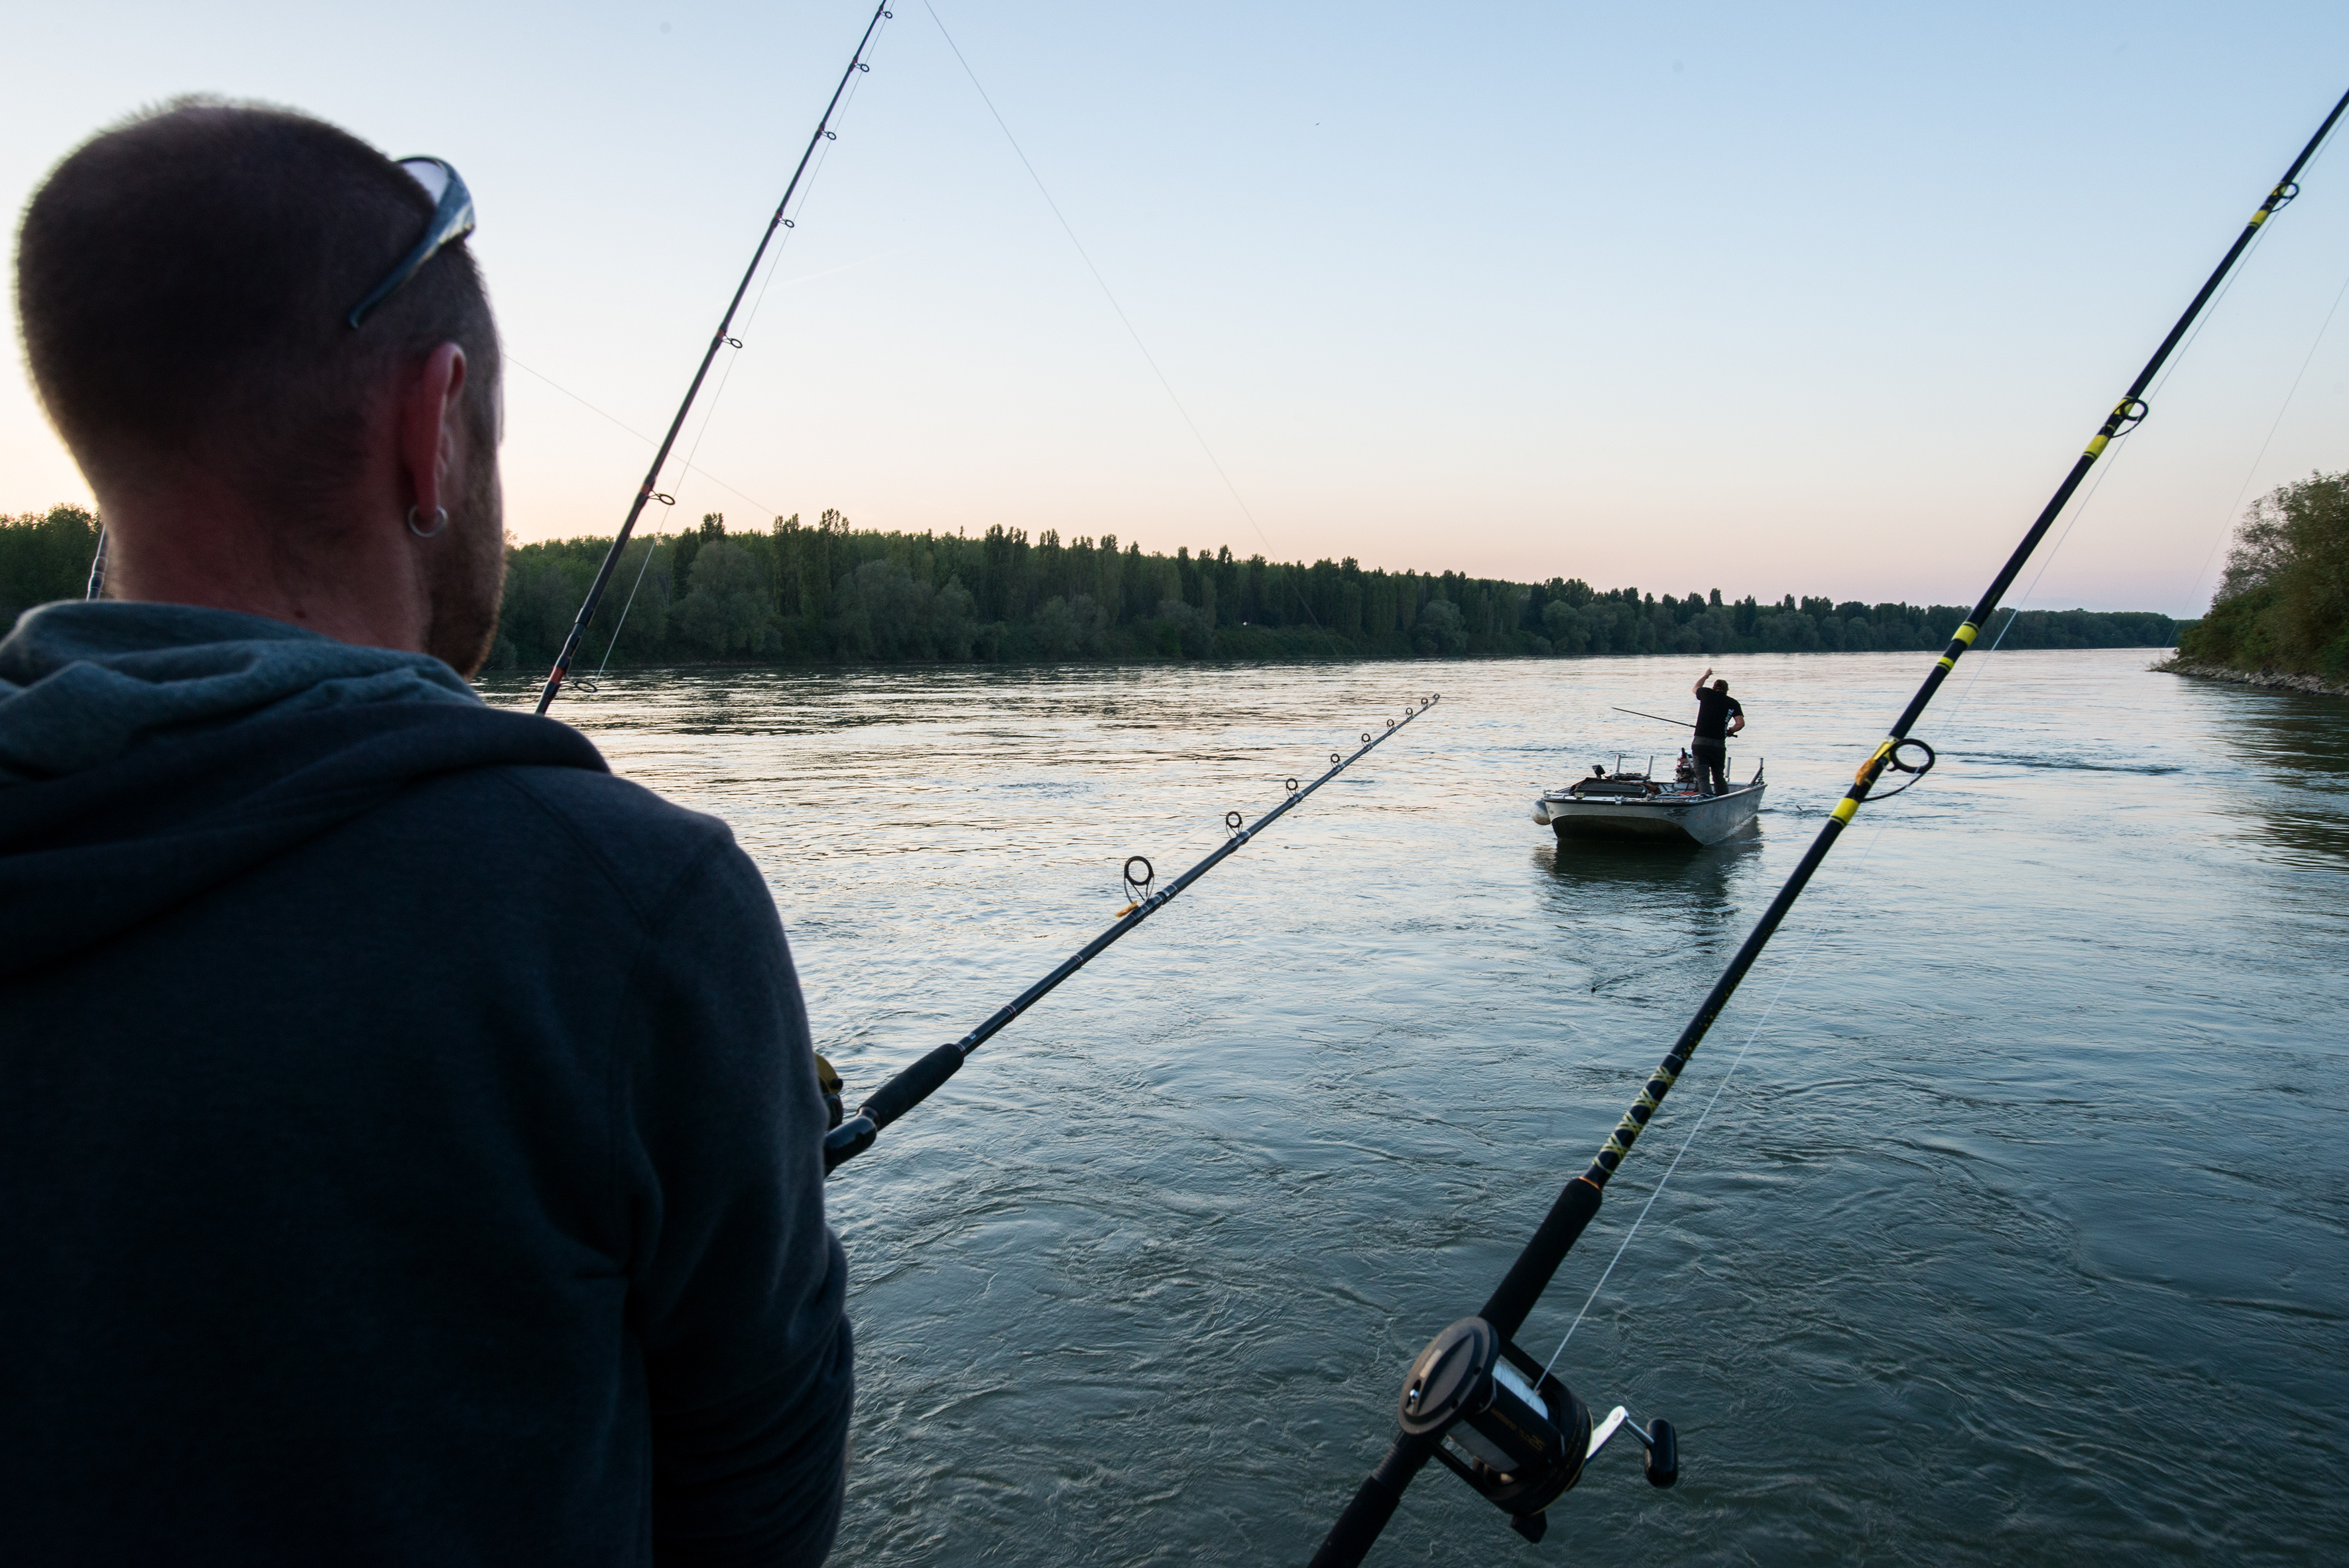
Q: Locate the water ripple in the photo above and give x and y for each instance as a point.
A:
(2022, 1238)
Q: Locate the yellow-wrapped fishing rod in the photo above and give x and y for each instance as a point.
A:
(1477, 1400)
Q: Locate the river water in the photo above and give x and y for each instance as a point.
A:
(2021, 1236)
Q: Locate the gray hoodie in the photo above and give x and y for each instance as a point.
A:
(408, 1132)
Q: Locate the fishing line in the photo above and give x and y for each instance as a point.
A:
(1956, 710)
(773, 267)
(2120, 442)
(1703, 1116)
(2119, 450)
(646, 493)
(595, 680)
(2120, 445)
(816, 177)
(718, 394)
(1475, 1400)
(815, 174)
(1802, 960)
(2228, 523)
(2013, 607)
(1149, 358)
(2257, 241)
(850, 1135)
(507, 354)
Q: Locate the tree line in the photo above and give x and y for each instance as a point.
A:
(2284, 603)
(829, 592)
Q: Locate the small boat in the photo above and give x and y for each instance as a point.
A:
(1622, 805)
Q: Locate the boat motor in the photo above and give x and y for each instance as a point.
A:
(1509, 1429)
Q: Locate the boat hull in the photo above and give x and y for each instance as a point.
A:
(1683, 819)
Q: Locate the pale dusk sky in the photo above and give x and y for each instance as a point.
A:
(1794, 299)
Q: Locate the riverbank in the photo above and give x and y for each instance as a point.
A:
(2282, 679)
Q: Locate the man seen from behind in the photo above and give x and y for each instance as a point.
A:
(1718, 717)
(409, 1138)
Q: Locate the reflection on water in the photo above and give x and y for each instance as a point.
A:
(1628, 913)
(1649, 867)
(1974, 1242)
(2296, 746)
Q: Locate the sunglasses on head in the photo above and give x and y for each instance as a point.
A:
(453, 220)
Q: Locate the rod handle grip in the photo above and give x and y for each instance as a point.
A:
(1528, 1277)
(1374, 1503)
(911, 1087)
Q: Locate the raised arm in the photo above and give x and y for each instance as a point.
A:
(1698, 689)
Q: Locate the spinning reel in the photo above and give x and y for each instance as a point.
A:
(1510, 1430)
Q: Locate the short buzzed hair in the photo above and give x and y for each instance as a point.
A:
(183, 282)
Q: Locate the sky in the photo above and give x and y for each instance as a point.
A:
(1792, 299)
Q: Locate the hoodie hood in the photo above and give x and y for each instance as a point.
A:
(84, 684)
(148, 752)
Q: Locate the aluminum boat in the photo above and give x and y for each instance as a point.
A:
(1622, 805)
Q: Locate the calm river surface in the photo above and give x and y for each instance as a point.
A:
(2021, 1236)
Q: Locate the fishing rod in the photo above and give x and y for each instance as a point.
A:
(1659, 718)
(1474, 1399)
(853, 1136)
(722, 338)
(590, 684)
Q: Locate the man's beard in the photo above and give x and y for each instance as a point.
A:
(468, 570)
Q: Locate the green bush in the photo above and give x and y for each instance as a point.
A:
(2284, 603)
(44, 556)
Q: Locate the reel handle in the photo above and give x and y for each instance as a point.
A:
(1663, 1453)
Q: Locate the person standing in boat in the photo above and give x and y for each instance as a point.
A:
(1718, 717)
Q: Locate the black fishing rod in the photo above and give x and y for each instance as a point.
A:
(646, 492)
(1659, 718)
(915, 1084)
(1477, 1400)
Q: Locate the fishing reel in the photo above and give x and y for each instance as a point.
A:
(1510, 1430)
(827, 1081)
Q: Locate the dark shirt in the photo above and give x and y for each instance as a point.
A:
(411, 1135)
(1713, 711)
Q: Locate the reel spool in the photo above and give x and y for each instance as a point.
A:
(1507, 1429)
(1510, 1430)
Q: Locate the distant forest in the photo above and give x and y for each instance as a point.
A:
(828, 592)
(2284, 603)
(832, 593)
